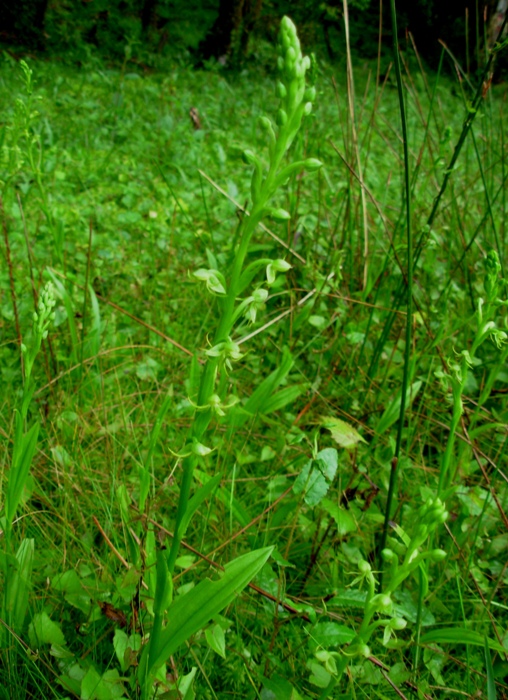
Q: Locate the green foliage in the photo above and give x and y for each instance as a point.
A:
(110, 194)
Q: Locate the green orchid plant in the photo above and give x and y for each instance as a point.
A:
(295, 103)
(17, 568)
(241, 292)
(405, 556)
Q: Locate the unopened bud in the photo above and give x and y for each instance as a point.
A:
(438, 555)
(282, 117)
(364, 650)
(310, 93)
(279, 214)
(364, 567)
(281, 90)
(398, 623)
(312, 164)
(388, 554)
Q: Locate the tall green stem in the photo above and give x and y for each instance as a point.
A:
(409, 305)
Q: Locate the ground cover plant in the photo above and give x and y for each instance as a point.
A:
(238, 458)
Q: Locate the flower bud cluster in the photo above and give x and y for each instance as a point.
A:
(292, 67)
(428, 517)
(295, 97)
(42, 319)
(44, 315)
(492, 270)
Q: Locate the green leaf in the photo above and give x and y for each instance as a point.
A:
(120, 644)
(391, 413)
(233, 504)
(343, 518)
(201, 495)
(146, 471)
(43, 630)
(316, 476)
(329, 634)
(327, 462)
(19, 584)
(459, 635)
(259, 399)
(283, 397)
(278, 688)
(343, 433)
(69, 308)
(18, 474)
(319, 675)
(349, 598)
(95, 687)
(75, 594)
(312, 483)
(184, 685)
(216, 640)
(93, 344)
(126, 648)
(192, 611)
(491, 685)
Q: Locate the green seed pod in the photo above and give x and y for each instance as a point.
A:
(280, 63)
(307, 109)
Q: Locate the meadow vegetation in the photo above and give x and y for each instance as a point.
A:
(214, 372)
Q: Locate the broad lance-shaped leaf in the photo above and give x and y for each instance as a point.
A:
(24, 451)
(459, 635)
(258, 401)
(192, 611)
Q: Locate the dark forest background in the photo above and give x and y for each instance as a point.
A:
(225, 29)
